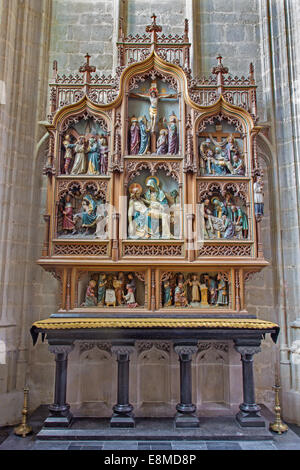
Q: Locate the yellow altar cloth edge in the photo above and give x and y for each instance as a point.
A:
(75, 323)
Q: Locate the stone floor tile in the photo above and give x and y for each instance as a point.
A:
(88, 447)
(144, 447)
(50, 445)
(75, 447)
(177, 445)
(222, 445)
(257, 445)
(288, 446)
(115, 445)
(161, 447)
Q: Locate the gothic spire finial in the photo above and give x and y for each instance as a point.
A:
(153, 28)
(220, 70)
(186, 29)
(86, 67)
(251, 74)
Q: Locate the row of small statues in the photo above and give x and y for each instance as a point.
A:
(166, 144)
(221, 158)
(195, 291)
(111, 290)
(90, 155)
(92, 218)
(224, 219)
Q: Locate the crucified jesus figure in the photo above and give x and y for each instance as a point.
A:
(153, 96)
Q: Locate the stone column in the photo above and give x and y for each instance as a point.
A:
(60, 415)
(249, 414)
(185, 417)
(122, 416)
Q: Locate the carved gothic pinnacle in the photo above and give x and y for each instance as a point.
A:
(220, 70)
(153, 28)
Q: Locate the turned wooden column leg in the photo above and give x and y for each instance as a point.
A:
(185, 417)
(60, 415)
(249, 414)
(122, 416)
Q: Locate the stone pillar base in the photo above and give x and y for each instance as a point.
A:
(250, 419)
(59, 419)
(186, 421)
(122, 421)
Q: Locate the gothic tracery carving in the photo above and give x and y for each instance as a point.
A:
(152, 250)
(134, 168)
(221, 117)
(228, 250)
(79, 249)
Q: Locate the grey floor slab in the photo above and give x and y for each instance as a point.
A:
(189, 445)
(214, 435)
(220, 428)
(258, 446)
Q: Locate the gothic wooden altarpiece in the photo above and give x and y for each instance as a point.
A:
(153, 213)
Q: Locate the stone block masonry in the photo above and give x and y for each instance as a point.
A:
(81, 27)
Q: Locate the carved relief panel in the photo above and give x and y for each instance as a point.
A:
(196, 290)
(153, 115)
(222, 148)
(225, 211)
(154, 206)
(82, 211)
(84, 146)
(112, 289)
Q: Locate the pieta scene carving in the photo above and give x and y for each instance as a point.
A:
(195, 290)
(154, 209)
(153, 110)
(112, 289)
(221, 149)
(85, 148)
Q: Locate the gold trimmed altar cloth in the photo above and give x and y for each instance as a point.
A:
(78, 323)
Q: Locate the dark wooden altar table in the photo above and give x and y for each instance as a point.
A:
(184, 331)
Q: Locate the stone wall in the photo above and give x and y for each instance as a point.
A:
(169, 16)
(24, 27)
(280, 67)
(78, 27)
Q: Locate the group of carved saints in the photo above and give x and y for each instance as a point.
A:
(192, 290)
(85, 156)
(111, 290)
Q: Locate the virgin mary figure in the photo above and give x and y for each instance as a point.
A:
(88, 215)
(144, 136)
(158, 213)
